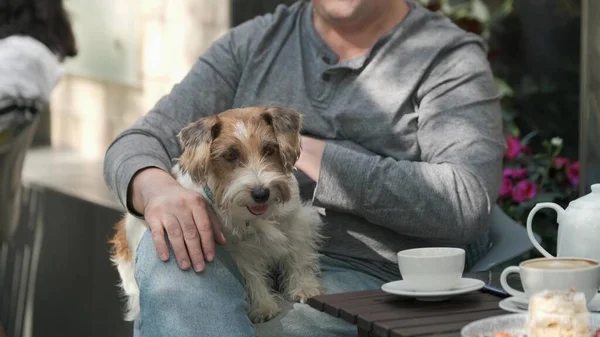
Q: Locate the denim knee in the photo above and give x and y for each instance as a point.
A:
(185, 303)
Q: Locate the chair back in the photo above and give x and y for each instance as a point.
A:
(19, 258)
(15, 139)
(508, 239)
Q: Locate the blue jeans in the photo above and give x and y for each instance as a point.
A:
(185, 304)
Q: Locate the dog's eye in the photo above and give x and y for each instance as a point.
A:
(270, 150)
(231, 155)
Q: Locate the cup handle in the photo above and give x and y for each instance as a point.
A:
(534, 210)
(510, 290)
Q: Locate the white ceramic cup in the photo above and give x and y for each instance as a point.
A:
(431, 269)
(580, 274)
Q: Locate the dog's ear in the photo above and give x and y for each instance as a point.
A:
(287, 124)
(196, 139)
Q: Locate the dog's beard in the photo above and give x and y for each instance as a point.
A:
(237, 193)
(235, 198)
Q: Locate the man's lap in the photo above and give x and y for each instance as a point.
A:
(184, 303)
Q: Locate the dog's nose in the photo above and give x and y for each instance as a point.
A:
(260, 194)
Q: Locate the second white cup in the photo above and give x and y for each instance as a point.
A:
(431, 269)
(582, 275)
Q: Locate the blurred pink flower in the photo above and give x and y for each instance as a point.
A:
(519, 173)
(523, 191)
(505, 188)
(514, 147)
(573, 173)
(560, 161)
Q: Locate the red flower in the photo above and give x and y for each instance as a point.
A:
(573, 173)
(560, 161)
(519, 173)
(523, 191)
(505, 188)
(514, 147)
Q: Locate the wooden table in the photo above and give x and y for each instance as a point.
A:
(378, 314)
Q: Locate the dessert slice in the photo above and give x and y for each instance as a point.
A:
(558, 314)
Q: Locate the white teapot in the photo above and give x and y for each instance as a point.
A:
(578, 227)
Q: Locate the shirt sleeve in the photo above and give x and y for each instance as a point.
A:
(208, 88)
(448, 194)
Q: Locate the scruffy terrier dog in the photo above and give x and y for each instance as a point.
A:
(241, 161)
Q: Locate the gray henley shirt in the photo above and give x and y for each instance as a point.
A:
(413, 128)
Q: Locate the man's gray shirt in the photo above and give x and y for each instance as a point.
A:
(413, 128)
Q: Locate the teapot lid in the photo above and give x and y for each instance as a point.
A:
(590, 200)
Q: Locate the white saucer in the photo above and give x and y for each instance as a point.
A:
(520, 304)
(465, 285)
(509, 305)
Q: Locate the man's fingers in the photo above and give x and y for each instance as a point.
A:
(206, 231)
(175, 234)
(158, 237)
(192, 242)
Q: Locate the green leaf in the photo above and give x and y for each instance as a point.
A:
(525, 140)
(480, 11)
(503, 88)
(514, 130)
(546, 197)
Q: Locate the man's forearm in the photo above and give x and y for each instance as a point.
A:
(444, 202)
(126, 157)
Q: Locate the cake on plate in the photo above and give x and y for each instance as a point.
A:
(558, 314)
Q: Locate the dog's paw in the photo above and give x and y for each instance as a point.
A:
(304, 293)
(264, 310)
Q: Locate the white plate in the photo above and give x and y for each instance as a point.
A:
(465, 285)
(512, 324)
(520, 304)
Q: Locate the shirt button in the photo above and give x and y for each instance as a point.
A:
(326, 77)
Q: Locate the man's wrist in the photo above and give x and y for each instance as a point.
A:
(144, 184)
(310, 158)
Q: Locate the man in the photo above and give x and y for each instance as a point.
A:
(403, 148)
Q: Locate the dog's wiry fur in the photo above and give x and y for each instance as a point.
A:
(233, 153)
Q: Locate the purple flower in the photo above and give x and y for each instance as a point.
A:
(523, 191)
(560, 161)
(519, 173)
(514, 147)
(505, 188)
(573, 173)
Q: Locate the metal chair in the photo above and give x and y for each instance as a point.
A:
(20, 227)
(509, 240)
(19, 258)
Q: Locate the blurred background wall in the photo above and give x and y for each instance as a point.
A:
(131, 54)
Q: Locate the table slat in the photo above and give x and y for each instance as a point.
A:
(317, 302)
(410, 309)
(384, 329)
(409, 306)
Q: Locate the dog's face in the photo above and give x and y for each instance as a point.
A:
(246, 156)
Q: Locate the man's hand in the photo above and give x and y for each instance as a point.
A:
(310, 158)
(191, 226)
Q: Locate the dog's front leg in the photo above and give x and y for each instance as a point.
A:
(300, 271)
(263, 303)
